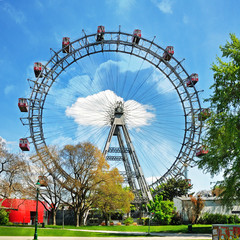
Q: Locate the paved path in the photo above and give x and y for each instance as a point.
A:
(166, 236)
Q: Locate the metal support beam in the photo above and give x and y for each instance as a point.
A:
(133, 169)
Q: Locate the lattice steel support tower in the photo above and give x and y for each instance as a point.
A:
(133, 171)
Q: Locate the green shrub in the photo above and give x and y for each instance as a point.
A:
(143, 221)
(4, 217)
(217, 218)
(128, 221)
(176, 219)
(163, 210)
(231, 219)
(236, 219)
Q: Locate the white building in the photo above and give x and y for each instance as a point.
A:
(211, 205)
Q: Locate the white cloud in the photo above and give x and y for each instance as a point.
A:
(79, 85)
(152, 179)
(125, 4)
(125, 64)
(83, 85)
(3, 143)
(164, 6)
(97, 109)
(8, 89)
(155, 157)
(8, 145)
(163, 84)
(19, 18)
(138, 115)
(133, 65)
(15, 14)
(122, 6)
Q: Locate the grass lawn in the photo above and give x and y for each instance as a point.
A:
(167, 228)
(58, 231)
(22, 231)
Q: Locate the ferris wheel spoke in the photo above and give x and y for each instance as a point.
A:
(77, 97)
(135, 78)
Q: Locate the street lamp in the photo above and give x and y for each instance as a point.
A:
(36, 220)
(63, 217)
(149, 222)
(42, 182)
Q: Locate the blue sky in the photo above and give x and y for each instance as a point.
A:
(30, 28)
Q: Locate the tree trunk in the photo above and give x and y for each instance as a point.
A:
(54, 213)
(106, 218)
(85, 216)
(196, 219)
(77, 218)
(81, 218)
(140, 212)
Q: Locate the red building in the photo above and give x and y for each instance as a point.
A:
(23, 211)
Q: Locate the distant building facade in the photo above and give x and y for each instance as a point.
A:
(211, 205)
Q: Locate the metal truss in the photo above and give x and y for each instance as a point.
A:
(133, 169)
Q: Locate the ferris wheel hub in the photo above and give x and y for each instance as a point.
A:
(119, 107)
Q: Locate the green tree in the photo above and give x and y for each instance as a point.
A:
(53, 192)
(223, 126)
(162, 210)
(79, 169)
(87, 167)
(4, 217)
(111, 196)
(12, 169)
(173, 188)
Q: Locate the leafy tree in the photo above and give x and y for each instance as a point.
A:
(111, 196)
(4, 217)
(173, 188)
(223, 126)
(87, 168)
(198, 205)
(51, 193)
(162, 210)
(216, 191)
(13, 167)
(79, 169)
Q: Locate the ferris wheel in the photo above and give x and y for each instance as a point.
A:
(127, 95)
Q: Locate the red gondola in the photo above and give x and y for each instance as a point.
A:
(202, 151)
(168, 53)
(204, 114)
(24, 144)
(23, 104)
(66, 45)
(192, 80)
(100, 33)
(38, 69)
(136, 36)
